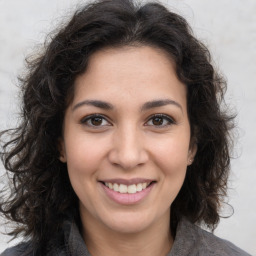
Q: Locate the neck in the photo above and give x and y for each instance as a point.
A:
(154, 241)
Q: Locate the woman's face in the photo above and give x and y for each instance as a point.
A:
(126, 139)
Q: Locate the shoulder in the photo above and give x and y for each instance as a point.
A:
(57, 245)
(23, 249)
(26, 249)
(193, 240)
(219, 246)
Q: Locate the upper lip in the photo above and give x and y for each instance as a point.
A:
(127, 181)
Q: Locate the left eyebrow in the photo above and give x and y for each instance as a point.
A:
(160, 103)
(95, 103)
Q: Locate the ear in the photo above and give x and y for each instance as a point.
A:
(192, 151)
(62, 151)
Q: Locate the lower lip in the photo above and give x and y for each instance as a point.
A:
(127, 198)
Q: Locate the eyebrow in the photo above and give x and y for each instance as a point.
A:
(145, 106)
(95, 103)
(160, 103)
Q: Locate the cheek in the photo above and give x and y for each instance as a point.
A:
(82, 164)
(171, 160)
(172, 154)
(84, 154)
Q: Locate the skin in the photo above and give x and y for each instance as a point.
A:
(127, 142)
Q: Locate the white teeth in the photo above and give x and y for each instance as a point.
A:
(124, 189)
(116, 187)
(139, 187)
(132, 189)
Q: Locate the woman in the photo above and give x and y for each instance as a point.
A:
(123, 148)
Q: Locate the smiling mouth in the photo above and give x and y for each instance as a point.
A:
(128, 189)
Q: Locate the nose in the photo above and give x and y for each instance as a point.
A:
(128, 149)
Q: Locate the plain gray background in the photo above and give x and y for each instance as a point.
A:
(228, 27)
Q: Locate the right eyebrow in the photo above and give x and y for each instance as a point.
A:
(95, 103)
(160, 103)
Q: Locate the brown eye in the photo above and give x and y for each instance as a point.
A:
(157, 121)
(160, 121)
(96, 121)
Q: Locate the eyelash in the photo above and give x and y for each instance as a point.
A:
(165, 118)
(89, 118)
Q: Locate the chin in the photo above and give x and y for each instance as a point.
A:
(130, 223)
(129, 227)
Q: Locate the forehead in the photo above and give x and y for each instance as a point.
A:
(141, 72)
(125, 57)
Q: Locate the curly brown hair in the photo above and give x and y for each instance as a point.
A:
(41, 193)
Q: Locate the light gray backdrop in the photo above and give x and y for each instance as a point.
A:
(228, 27)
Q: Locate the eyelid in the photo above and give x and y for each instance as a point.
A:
(86, 118)
(167, 118)
(164, 116)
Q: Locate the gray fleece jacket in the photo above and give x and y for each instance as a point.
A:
(190, 240)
